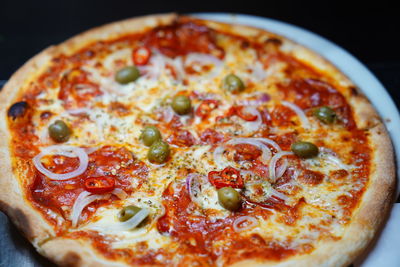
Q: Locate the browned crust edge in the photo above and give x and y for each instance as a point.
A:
(367, 217)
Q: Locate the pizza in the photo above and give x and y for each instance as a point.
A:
(171, 140)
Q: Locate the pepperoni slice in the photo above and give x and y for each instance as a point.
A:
(76, 90)
(246, 152)
(182, 138)
(211, 137)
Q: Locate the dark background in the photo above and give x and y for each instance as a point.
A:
(367, 30)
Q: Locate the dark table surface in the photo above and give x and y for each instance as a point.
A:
(366, 30)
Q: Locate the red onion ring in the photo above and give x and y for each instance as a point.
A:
(236, 224)
(64, 150)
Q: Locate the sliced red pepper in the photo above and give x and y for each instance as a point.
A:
(228, 177)
(206, 107)
(99, 185)
(231, 112)
(141, 55)
(241, 112)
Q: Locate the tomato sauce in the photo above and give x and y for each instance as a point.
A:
(59, 196)
(311, 93)
(197, 234)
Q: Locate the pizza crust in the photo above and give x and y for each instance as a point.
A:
(367, 218)
(71, 252)
(12, 200)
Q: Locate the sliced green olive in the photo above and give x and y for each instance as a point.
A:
(59, 131)
(127, 75)
(128, 212)
(158, 152)
(150, 134)
(181, 104)
(304, 149)
(325, 114)
(229, 198)
(233, 84)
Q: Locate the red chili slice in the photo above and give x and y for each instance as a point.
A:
(206, 107)
(241, 112)
(141, 55)
(228, 177)
(99, 185)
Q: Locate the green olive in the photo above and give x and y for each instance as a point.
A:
(325, 114)
(128, 212)
(150, 134)
(127, 75)
(233, 84)
(181, 104)
(305, 149)
(158, 152)
(59, 131)
(229, 198)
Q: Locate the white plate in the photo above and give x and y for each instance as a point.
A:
(383, 251)
(342, 59)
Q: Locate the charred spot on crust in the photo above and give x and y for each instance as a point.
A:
(244, 44)
(274, 41)
(71, 259)
(353, 91)
(18, 110)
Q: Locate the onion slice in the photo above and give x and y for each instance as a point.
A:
(78, 111)
(253, 126)
(193, 180)
(168, 114)
(260, 143)
(157, 216)
(278, 194)
(273, 175)
(218, 156)
(121, 194)
(269, 142)
(155, 67)
(90, 150)
(67, 151)
(204, 60)
(303, 118)
(251, 223)
(84, 199)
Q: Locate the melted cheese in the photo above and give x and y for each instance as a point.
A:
(143, 97)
